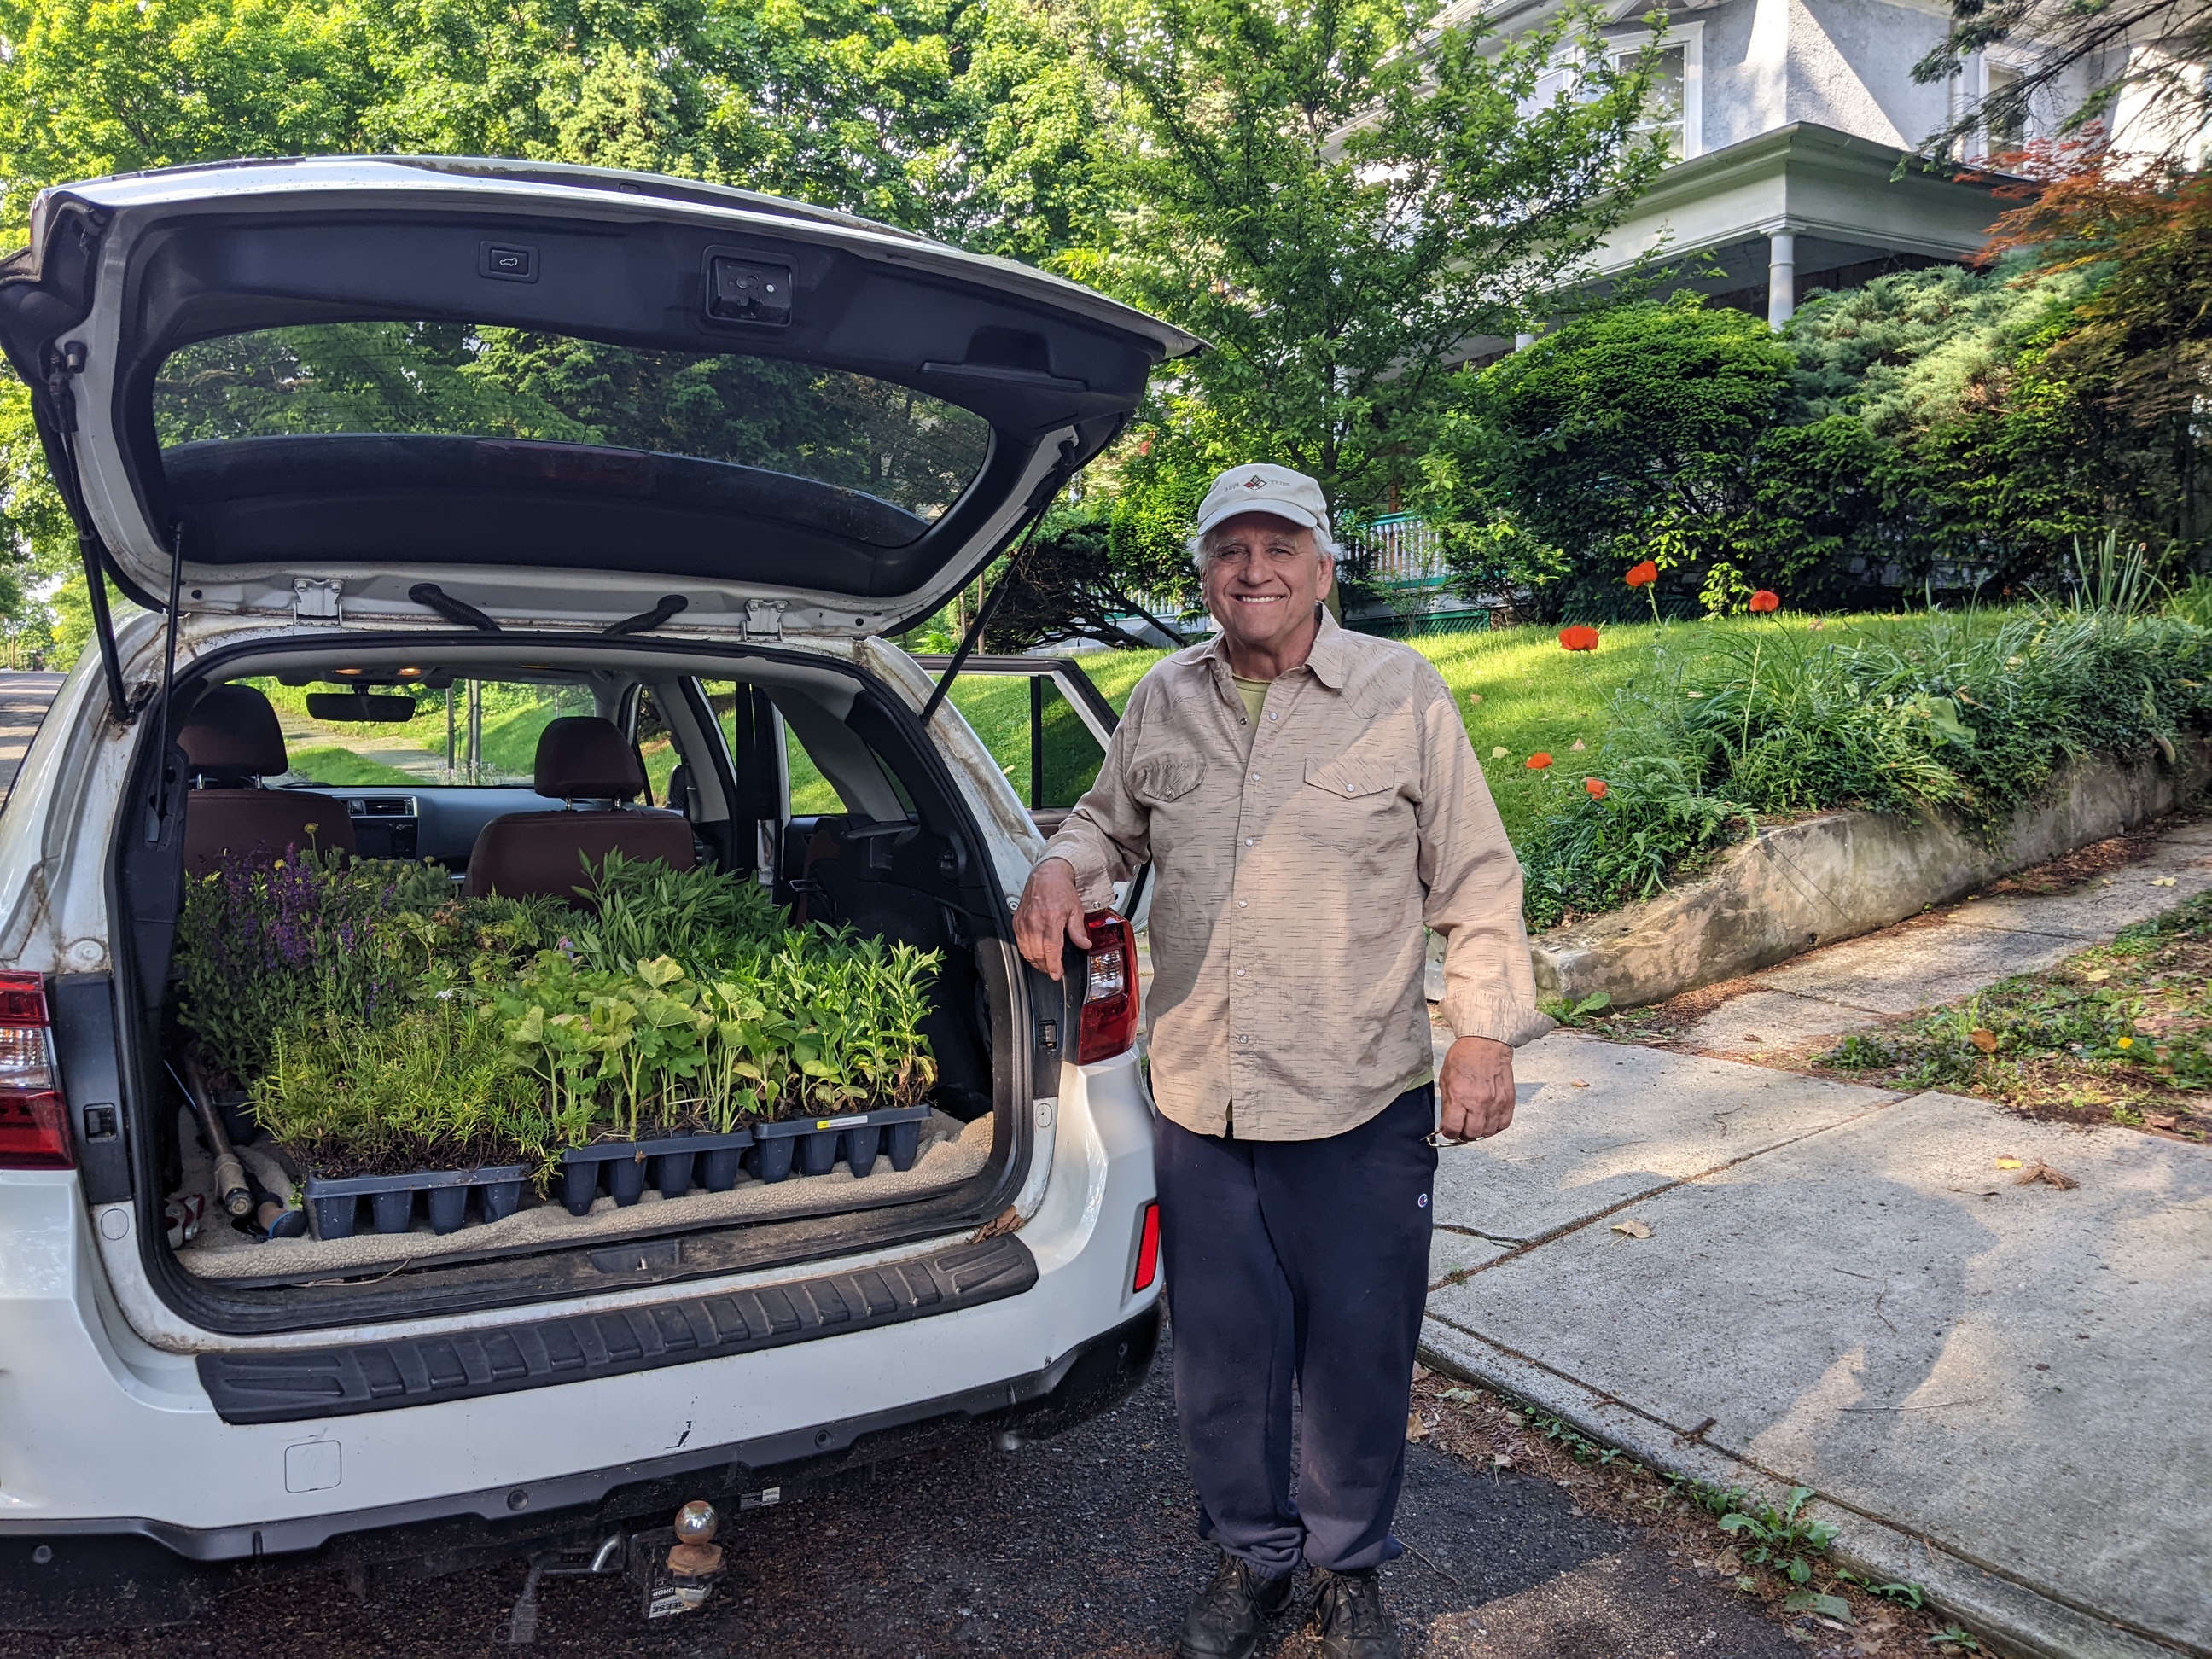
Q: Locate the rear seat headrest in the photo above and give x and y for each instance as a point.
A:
(232, 735)
(585, 757)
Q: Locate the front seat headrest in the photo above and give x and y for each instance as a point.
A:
(231, 736)
(585, 757)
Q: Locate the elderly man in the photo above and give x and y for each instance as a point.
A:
(1308, 800)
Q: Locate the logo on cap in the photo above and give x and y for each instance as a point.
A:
(1255, 481)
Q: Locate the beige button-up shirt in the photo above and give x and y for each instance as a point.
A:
(1295, 865)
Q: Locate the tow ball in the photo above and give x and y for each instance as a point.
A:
(683, 1581)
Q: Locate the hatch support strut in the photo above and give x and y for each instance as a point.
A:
(62, 362)
(1048, 490)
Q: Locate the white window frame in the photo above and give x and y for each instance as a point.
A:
(1985, 61)
(1691, 37)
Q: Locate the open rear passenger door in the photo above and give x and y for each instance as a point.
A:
(1048, 726)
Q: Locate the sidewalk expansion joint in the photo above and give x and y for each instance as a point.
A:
(1521, 1248)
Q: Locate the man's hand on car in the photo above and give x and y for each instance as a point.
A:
(1475, 1088)
(1051, 913)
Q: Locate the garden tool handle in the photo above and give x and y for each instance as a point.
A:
(232, 1189)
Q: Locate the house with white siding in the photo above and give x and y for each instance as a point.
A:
(1795, 125)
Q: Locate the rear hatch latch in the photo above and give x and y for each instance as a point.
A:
(315, 602)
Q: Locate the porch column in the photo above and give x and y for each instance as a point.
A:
(1780, 277)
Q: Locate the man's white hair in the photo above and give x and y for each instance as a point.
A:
(1201, 547)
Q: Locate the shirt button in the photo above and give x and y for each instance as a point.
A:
(1272, 715)
(1347, 789)
(1248, 841)
(1256, 777)
(1240, 973)
(1244, 1039)
(1241, 903)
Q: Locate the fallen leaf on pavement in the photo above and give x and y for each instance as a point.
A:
(2160, 1120)
(2098, 976)
(1633, 1229)
(1728, 1561)
(1577, 1083)
(2162, 881)
(1457, 1396)
(1500, 1460)
(2007, 1164)
(1415, 1429)
(1985, 1041)
(2049, 1177)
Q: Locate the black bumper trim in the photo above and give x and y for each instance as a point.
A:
(309, 1385)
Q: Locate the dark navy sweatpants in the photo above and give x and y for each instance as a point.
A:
(1304, 1261)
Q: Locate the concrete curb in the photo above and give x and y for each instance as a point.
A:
(1839, 875)
(2016, 1616)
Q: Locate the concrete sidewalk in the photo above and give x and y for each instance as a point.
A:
(23, 701)
(1997, 1391)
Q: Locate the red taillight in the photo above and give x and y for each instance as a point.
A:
(1109, 989)
(33, 1126)
(1148, 1251)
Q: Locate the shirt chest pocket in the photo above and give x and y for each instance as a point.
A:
(1349, 803)
(1157, 780)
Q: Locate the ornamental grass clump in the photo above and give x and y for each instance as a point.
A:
(1971, 717)
(430, 1088)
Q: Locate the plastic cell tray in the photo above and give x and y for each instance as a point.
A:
(671, 1164)
(334, 1203)
(813, 1145)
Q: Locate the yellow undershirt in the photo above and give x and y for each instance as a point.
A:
(1254, 692)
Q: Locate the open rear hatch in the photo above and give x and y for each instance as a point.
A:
(556, 394)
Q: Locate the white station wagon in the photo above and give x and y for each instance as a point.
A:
(668, 461)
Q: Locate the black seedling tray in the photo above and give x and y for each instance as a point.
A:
(669, 1163)
(817, 1143)
(334, 1203)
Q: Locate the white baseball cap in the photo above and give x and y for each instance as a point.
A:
(1260, 488)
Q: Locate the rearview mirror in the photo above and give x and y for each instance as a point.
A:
(341, 706)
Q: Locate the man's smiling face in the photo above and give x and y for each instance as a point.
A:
(1263, 578)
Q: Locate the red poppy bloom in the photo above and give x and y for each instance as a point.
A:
(1580, 637)
(1539, 761)
(1596, 788)
(1766, 599)
(1643, 575)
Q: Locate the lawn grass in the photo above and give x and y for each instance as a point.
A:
(2122, 1033)
(1519, 691)
(334, 768)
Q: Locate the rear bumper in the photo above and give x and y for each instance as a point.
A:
(96, 1573)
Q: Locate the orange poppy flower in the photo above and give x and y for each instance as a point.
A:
(1643, 575)
(1766, 599)
(1596, 788)
(1539, 761)
(1580, 637)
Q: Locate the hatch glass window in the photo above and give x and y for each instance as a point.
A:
(828, 426)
